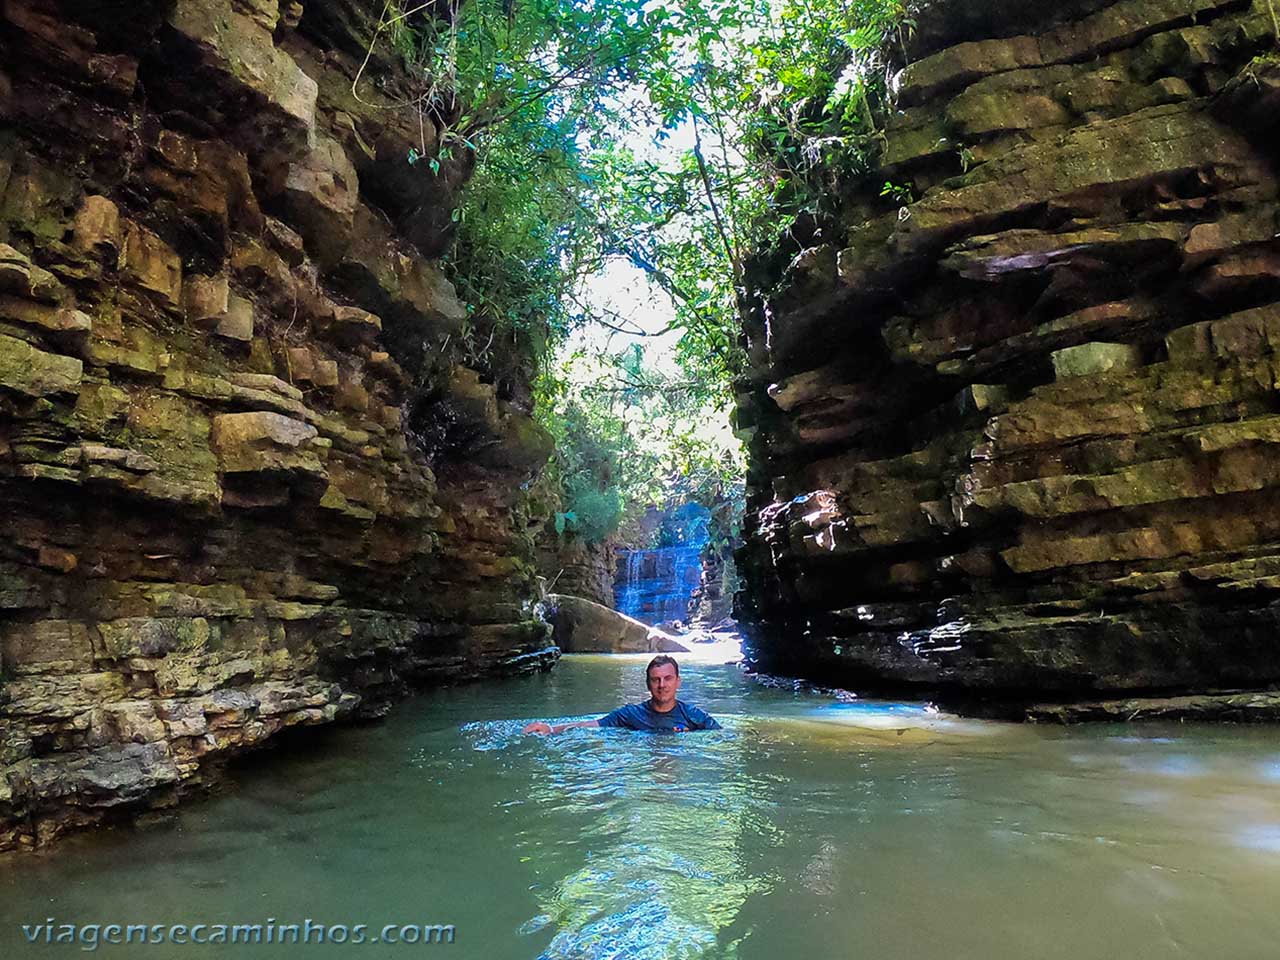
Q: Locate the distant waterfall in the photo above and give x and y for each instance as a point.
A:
(655, 585)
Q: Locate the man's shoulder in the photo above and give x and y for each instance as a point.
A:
(697, 714)
(625, 715)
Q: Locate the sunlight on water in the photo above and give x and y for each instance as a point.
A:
(810, 825)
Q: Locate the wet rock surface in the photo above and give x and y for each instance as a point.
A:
(220, 327)
(582, 626)
(1255, 707)
(1014, 438)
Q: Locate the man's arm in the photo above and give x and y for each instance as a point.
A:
(618, 718)
(538, 726)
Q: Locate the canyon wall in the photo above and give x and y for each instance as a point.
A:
(577, 569)
(1013, 412)
(246, 484)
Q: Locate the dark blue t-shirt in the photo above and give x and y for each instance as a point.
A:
(641, 716)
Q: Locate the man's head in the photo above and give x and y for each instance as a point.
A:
(663, 680)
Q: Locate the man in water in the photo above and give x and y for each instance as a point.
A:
(661, 713)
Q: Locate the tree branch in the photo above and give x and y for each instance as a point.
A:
(715, 207)
(553, 83)
(594, 310)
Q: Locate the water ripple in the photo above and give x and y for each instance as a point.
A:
(663, 819)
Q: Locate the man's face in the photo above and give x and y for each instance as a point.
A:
(663, 684)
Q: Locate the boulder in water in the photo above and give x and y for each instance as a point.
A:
(582, 626)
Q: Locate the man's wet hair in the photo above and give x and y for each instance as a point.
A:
(660, 661)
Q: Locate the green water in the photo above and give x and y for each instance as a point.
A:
(809, 827)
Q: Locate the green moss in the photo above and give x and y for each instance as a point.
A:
(34, 373)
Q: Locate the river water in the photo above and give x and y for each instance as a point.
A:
(810, 827)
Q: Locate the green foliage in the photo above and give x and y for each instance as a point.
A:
(900, 192)
(628, 437)
(769, 99)
(525, 87)
(777, 94)
(596, 513)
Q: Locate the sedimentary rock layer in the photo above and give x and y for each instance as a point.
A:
(577, 569)
(244, 485)
(1016, 432)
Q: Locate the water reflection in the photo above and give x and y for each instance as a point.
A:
(662, 819)
(1260, 836)
(678, 829)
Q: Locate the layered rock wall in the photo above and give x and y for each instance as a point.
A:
(712, 601)
(1014, 424)
(244, 486)
(577, 569)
